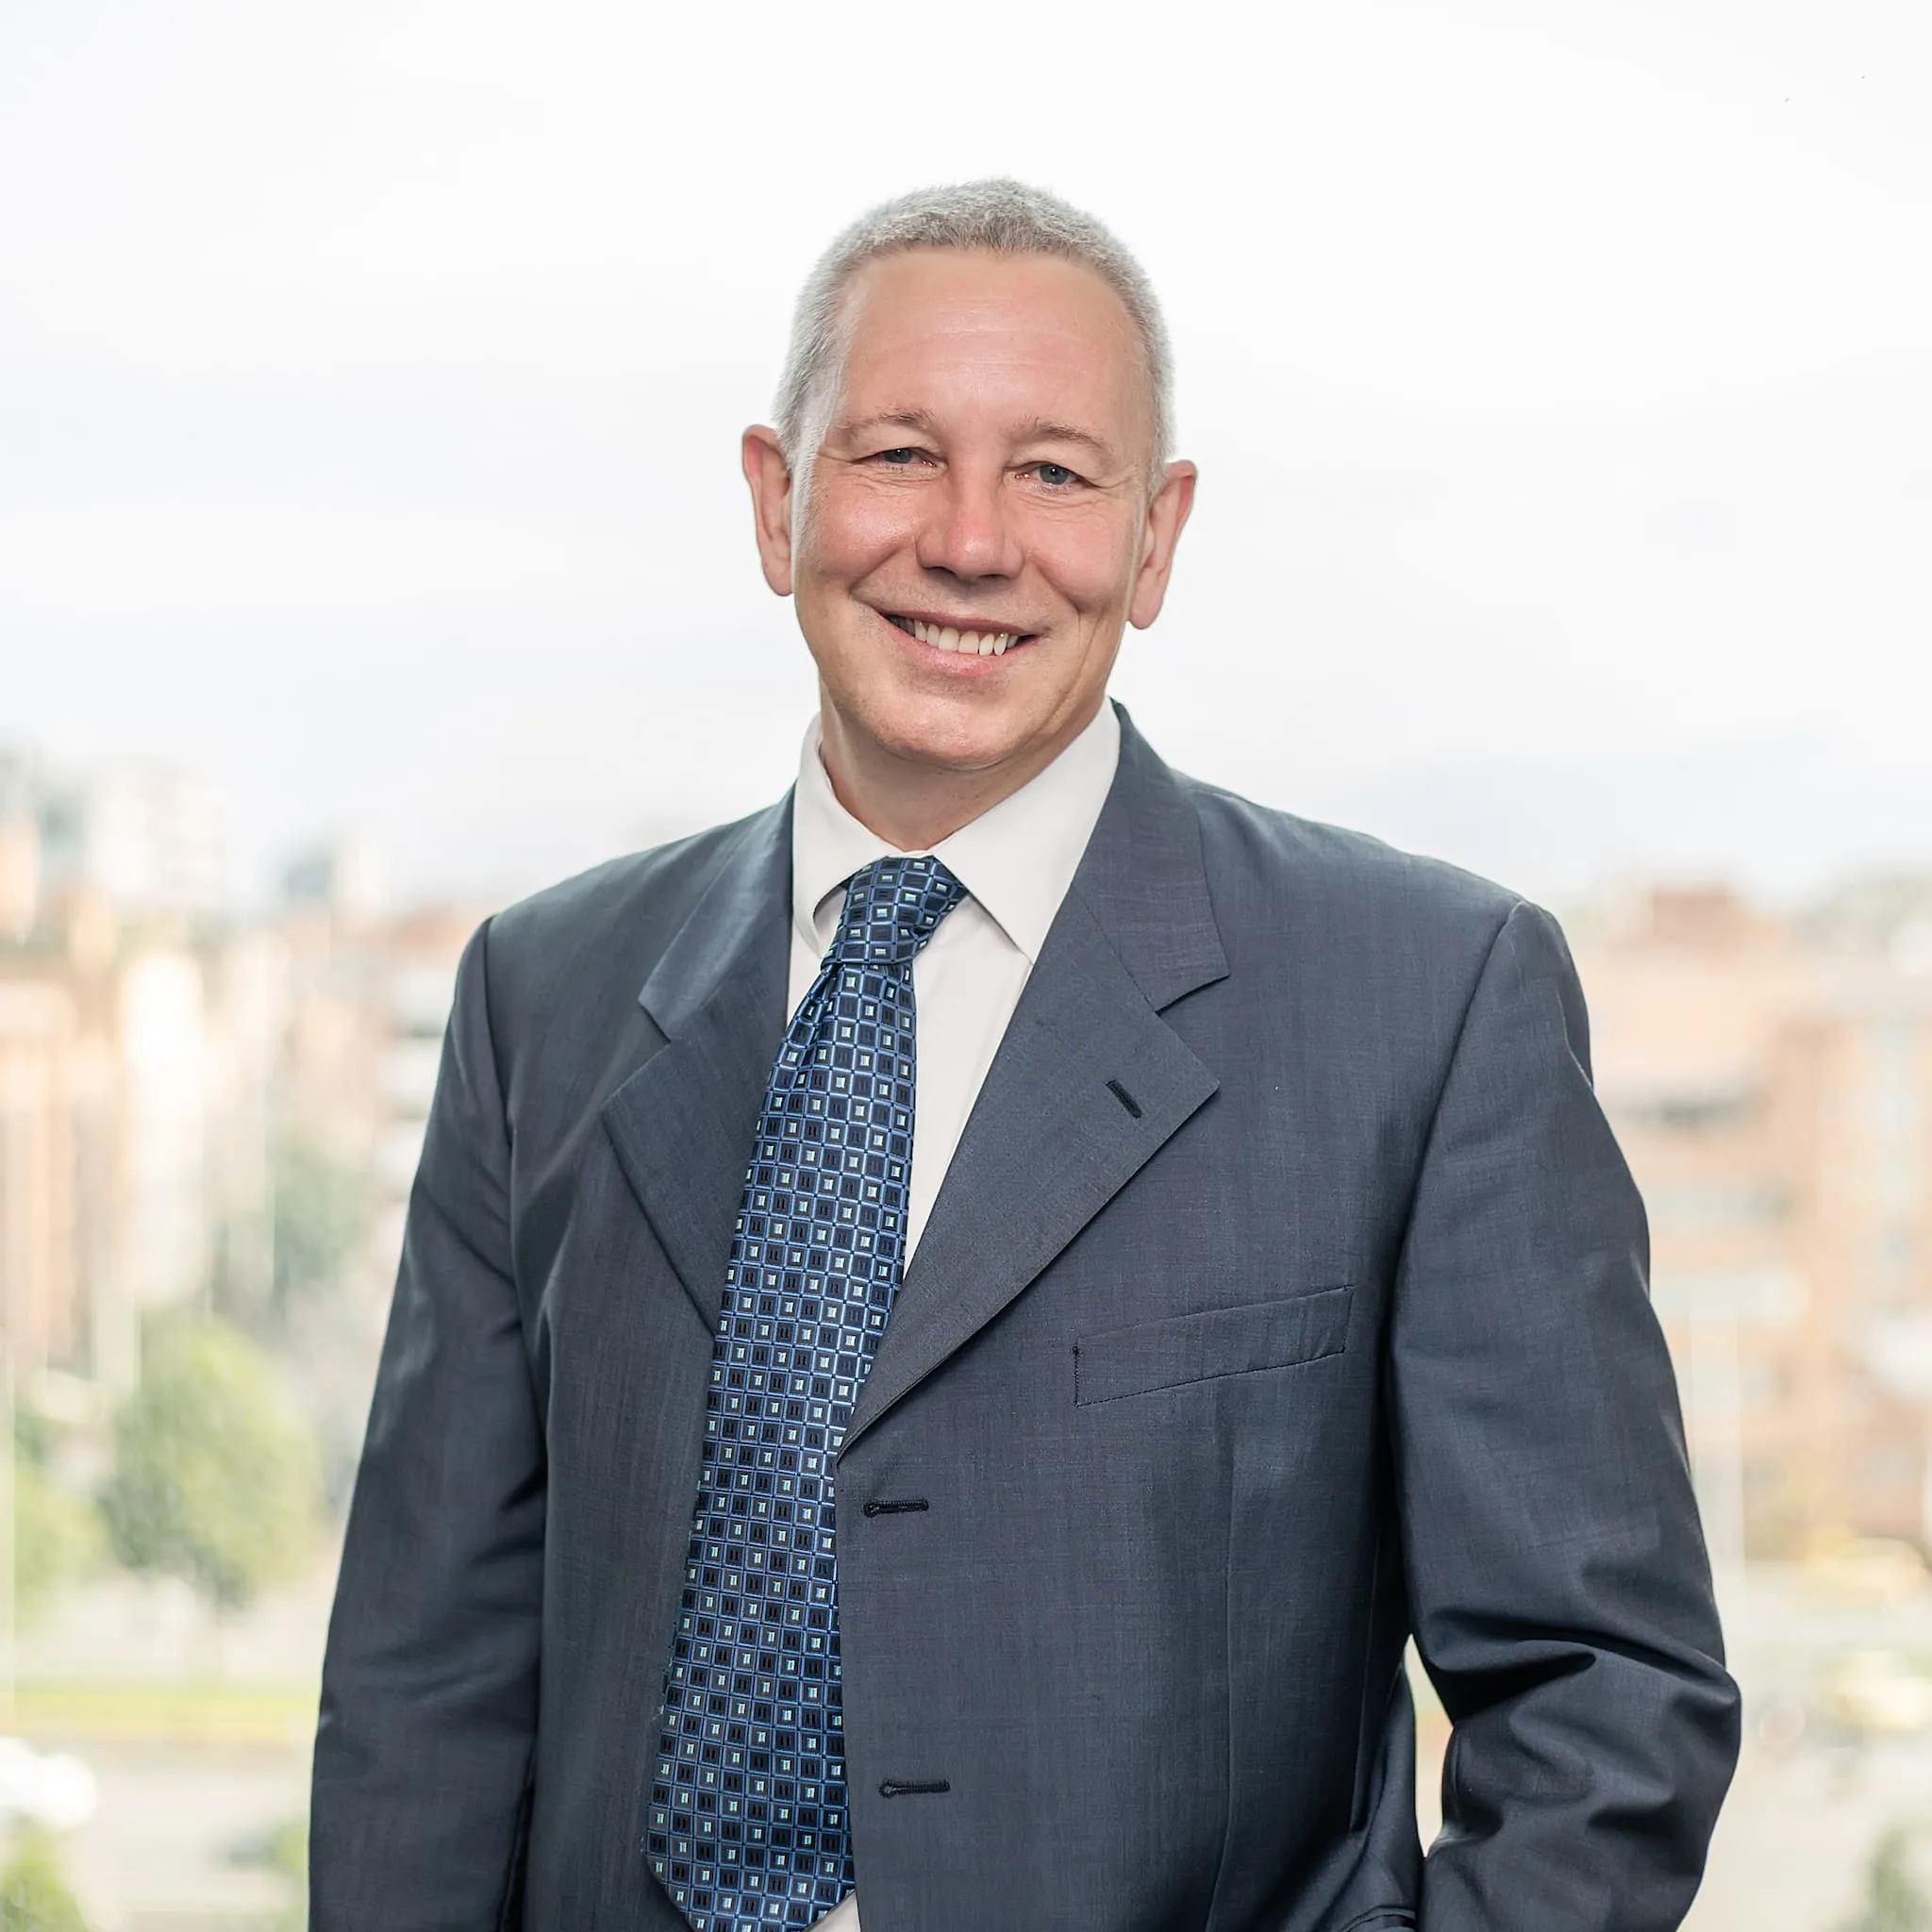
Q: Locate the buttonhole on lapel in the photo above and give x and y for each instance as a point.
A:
(1126, 1099)
(878, 1507)
(911, 1787)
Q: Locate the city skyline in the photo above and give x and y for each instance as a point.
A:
(1774, 824)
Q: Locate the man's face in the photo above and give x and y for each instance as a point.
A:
(979, 471)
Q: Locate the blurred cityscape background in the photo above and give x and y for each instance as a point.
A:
(372, 551)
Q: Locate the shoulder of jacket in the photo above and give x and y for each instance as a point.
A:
(1344, 872)
(619, 915)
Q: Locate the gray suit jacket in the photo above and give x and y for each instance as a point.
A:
(1285, 1295)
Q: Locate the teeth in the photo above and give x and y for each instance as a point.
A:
(988, 643)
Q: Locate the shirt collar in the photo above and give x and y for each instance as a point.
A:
(1017, 859)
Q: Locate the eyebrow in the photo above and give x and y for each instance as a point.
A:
(1041, 429)
(922, 420)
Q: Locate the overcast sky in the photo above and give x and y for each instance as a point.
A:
(1561, 379)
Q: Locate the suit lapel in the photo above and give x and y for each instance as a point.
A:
(682, 1125)
(1087, 1084)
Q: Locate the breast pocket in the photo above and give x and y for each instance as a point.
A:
(1180, 1349)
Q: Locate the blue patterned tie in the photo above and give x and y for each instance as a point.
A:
(748, 1820)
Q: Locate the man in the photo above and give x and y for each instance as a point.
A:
(972, 1457)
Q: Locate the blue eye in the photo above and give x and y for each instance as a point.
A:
(901, 457)
(1056, 476)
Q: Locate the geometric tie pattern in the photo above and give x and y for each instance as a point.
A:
(748, 1823)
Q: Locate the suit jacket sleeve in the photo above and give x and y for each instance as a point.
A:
(1560, 1594)
(429, 1686)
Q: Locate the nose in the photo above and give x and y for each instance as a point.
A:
(968, 532)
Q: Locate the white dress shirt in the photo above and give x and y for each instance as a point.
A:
(1016, 861)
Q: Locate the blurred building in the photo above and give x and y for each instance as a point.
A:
(20, 846)
(347, 879)
(124, 1102)
(418, 989)
(104, 1112)
(1771, 1080)
(148, 838)
(39, 1304)
(366, 996)
(371, 995)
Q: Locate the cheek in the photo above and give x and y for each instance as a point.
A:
(1089, 563)
(847, 533)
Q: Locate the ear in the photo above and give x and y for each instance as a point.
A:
(1167, 516)
(770, 477)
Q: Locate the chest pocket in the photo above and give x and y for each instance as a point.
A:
(1180, 1349)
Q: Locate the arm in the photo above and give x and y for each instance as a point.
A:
(429, 1686)
(1562, 1599)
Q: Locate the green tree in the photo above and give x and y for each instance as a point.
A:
(56, 1538)
(33, 1893)
(33, 1435)
(322, 1209)
(1894, 1900)
(215, 1476)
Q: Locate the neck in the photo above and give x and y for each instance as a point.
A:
(911, 804)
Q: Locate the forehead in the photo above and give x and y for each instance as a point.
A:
(963, 330)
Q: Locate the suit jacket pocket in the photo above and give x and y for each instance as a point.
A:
(1216, 1342)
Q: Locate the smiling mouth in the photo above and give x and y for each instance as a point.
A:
(968, 643)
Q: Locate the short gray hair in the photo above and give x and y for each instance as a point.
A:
(1005, 217)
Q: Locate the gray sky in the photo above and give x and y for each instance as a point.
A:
(1562, 378)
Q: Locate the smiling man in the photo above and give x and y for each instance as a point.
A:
(988, 478)
(950, 1333)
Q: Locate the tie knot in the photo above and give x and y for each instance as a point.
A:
(893, 906)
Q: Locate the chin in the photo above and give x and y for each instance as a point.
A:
(949, 736)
